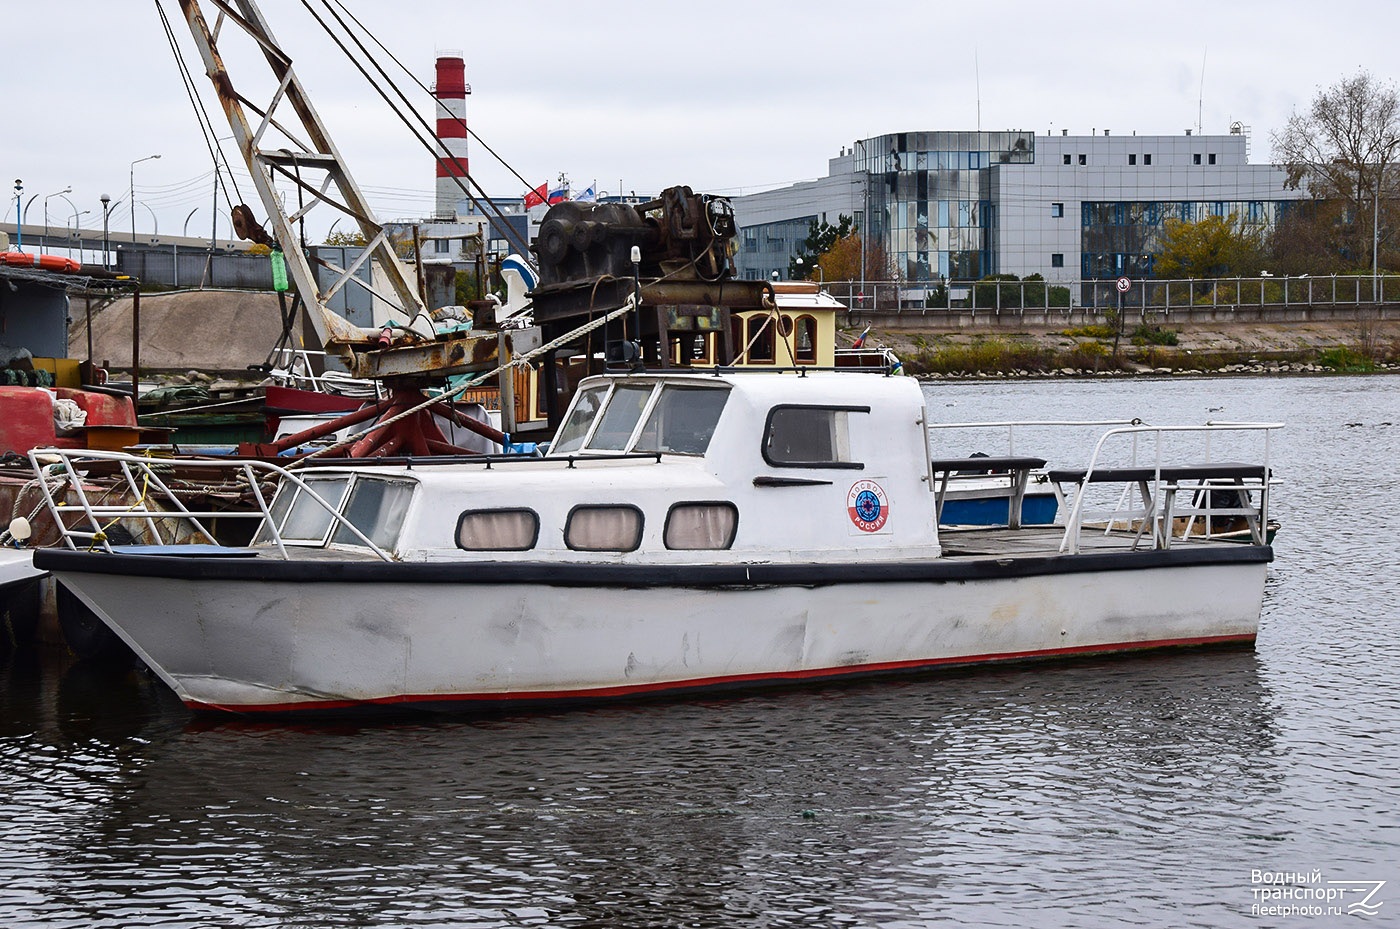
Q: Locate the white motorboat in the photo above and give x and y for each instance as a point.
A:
(686, 532)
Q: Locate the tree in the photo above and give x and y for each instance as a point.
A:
(1339, 149)
(821, 237)
(841, 262)
(346, 238)
(1308, 239)
(1212, 247)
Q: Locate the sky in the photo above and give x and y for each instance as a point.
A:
(726, 97)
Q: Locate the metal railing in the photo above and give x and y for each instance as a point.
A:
(1144, 296)
(157, 505)
(1158, 485)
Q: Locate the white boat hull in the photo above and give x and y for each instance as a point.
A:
(260, 645)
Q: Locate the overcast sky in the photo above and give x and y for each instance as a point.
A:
(724, 96)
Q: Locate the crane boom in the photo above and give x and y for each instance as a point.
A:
(276, 148)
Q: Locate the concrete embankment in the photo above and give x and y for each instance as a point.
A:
(222, 332)
(1237, 344)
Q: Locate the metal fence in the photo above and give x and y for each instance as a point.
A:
(195, 267)
(1142, 296)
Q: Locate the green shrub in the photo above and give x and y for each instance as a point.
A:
(1147, 334)
(1342, 358)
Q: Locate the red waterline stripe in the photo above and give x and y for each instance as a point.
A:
(814, 674)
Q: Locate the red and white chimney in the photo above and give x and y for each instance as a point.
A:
(451, 91)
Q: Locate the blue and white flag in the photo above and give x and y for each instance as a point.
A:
(588, 196)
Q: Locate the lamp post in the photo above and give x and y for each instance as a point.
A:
(155, 222)
(107, 205)
(131, 192)
(19, 217)
(72, 234)
(1376, 218)
(47, 197)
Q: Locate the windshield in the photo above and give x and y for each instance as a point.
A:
(575, 429)
(683, 420)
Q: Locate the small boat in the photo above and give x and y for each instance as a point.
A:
(687, 531)
(19, 591)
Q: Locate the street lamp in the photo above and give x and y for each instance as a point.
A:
(72, 235)
(1376, 218)
(107, 206)
(47, 197)
(19, 217)
(131, 192)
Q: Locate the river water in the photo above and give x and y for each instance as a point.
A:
(1160, 791)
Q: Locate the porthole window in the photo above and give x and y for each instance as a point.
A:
(604, 529)
(701, 526)
(504, 530)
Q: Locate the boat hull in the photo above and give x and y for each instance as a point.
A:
(296, 637)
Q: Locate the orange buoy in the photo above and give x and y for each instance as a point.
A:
(46, 262)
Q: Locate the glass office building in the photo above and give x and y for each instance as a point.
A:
(962, 205)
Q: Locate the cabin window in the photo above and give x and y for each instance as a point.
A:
(505, 530)
(806, 340)
(575, 428)
(306, 520)
(377, 509)
(683, 420)
(604, 529)
(810, 437)
(701, 526)
(758, 339)
(620, 417)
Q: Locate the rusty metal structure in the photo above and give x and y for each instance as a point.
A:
(674, 252)
(671, 256)
(285, 140)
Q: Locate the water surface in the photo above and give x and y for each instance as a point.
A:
(1141, 791)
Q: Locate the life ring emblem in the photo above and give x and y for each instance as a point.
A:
(868, 506)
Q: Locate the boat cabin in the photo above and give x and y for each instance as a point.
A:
(661, 468)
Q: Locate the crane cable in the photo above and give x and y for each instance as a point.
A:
(416, 131)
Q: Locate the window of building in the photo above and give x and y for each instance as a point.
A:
(442, 246)
(604, 528)
(504, 530)
(1211, 158)
(1132, 159)
(1057, 210)
(1067, 159)
(1196, 158)
(1146, 159)
(1083, 159)
(1057, 260)
(701, 526)
(810, 437)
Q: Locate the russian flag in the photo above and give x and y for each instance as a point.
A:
(559, 195)
(860, 339)
(537, 196)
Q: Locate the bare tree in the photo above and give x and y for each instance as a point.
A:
(1338, 150)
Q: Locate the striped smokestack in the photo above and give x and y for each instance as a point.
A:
(451, 91)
